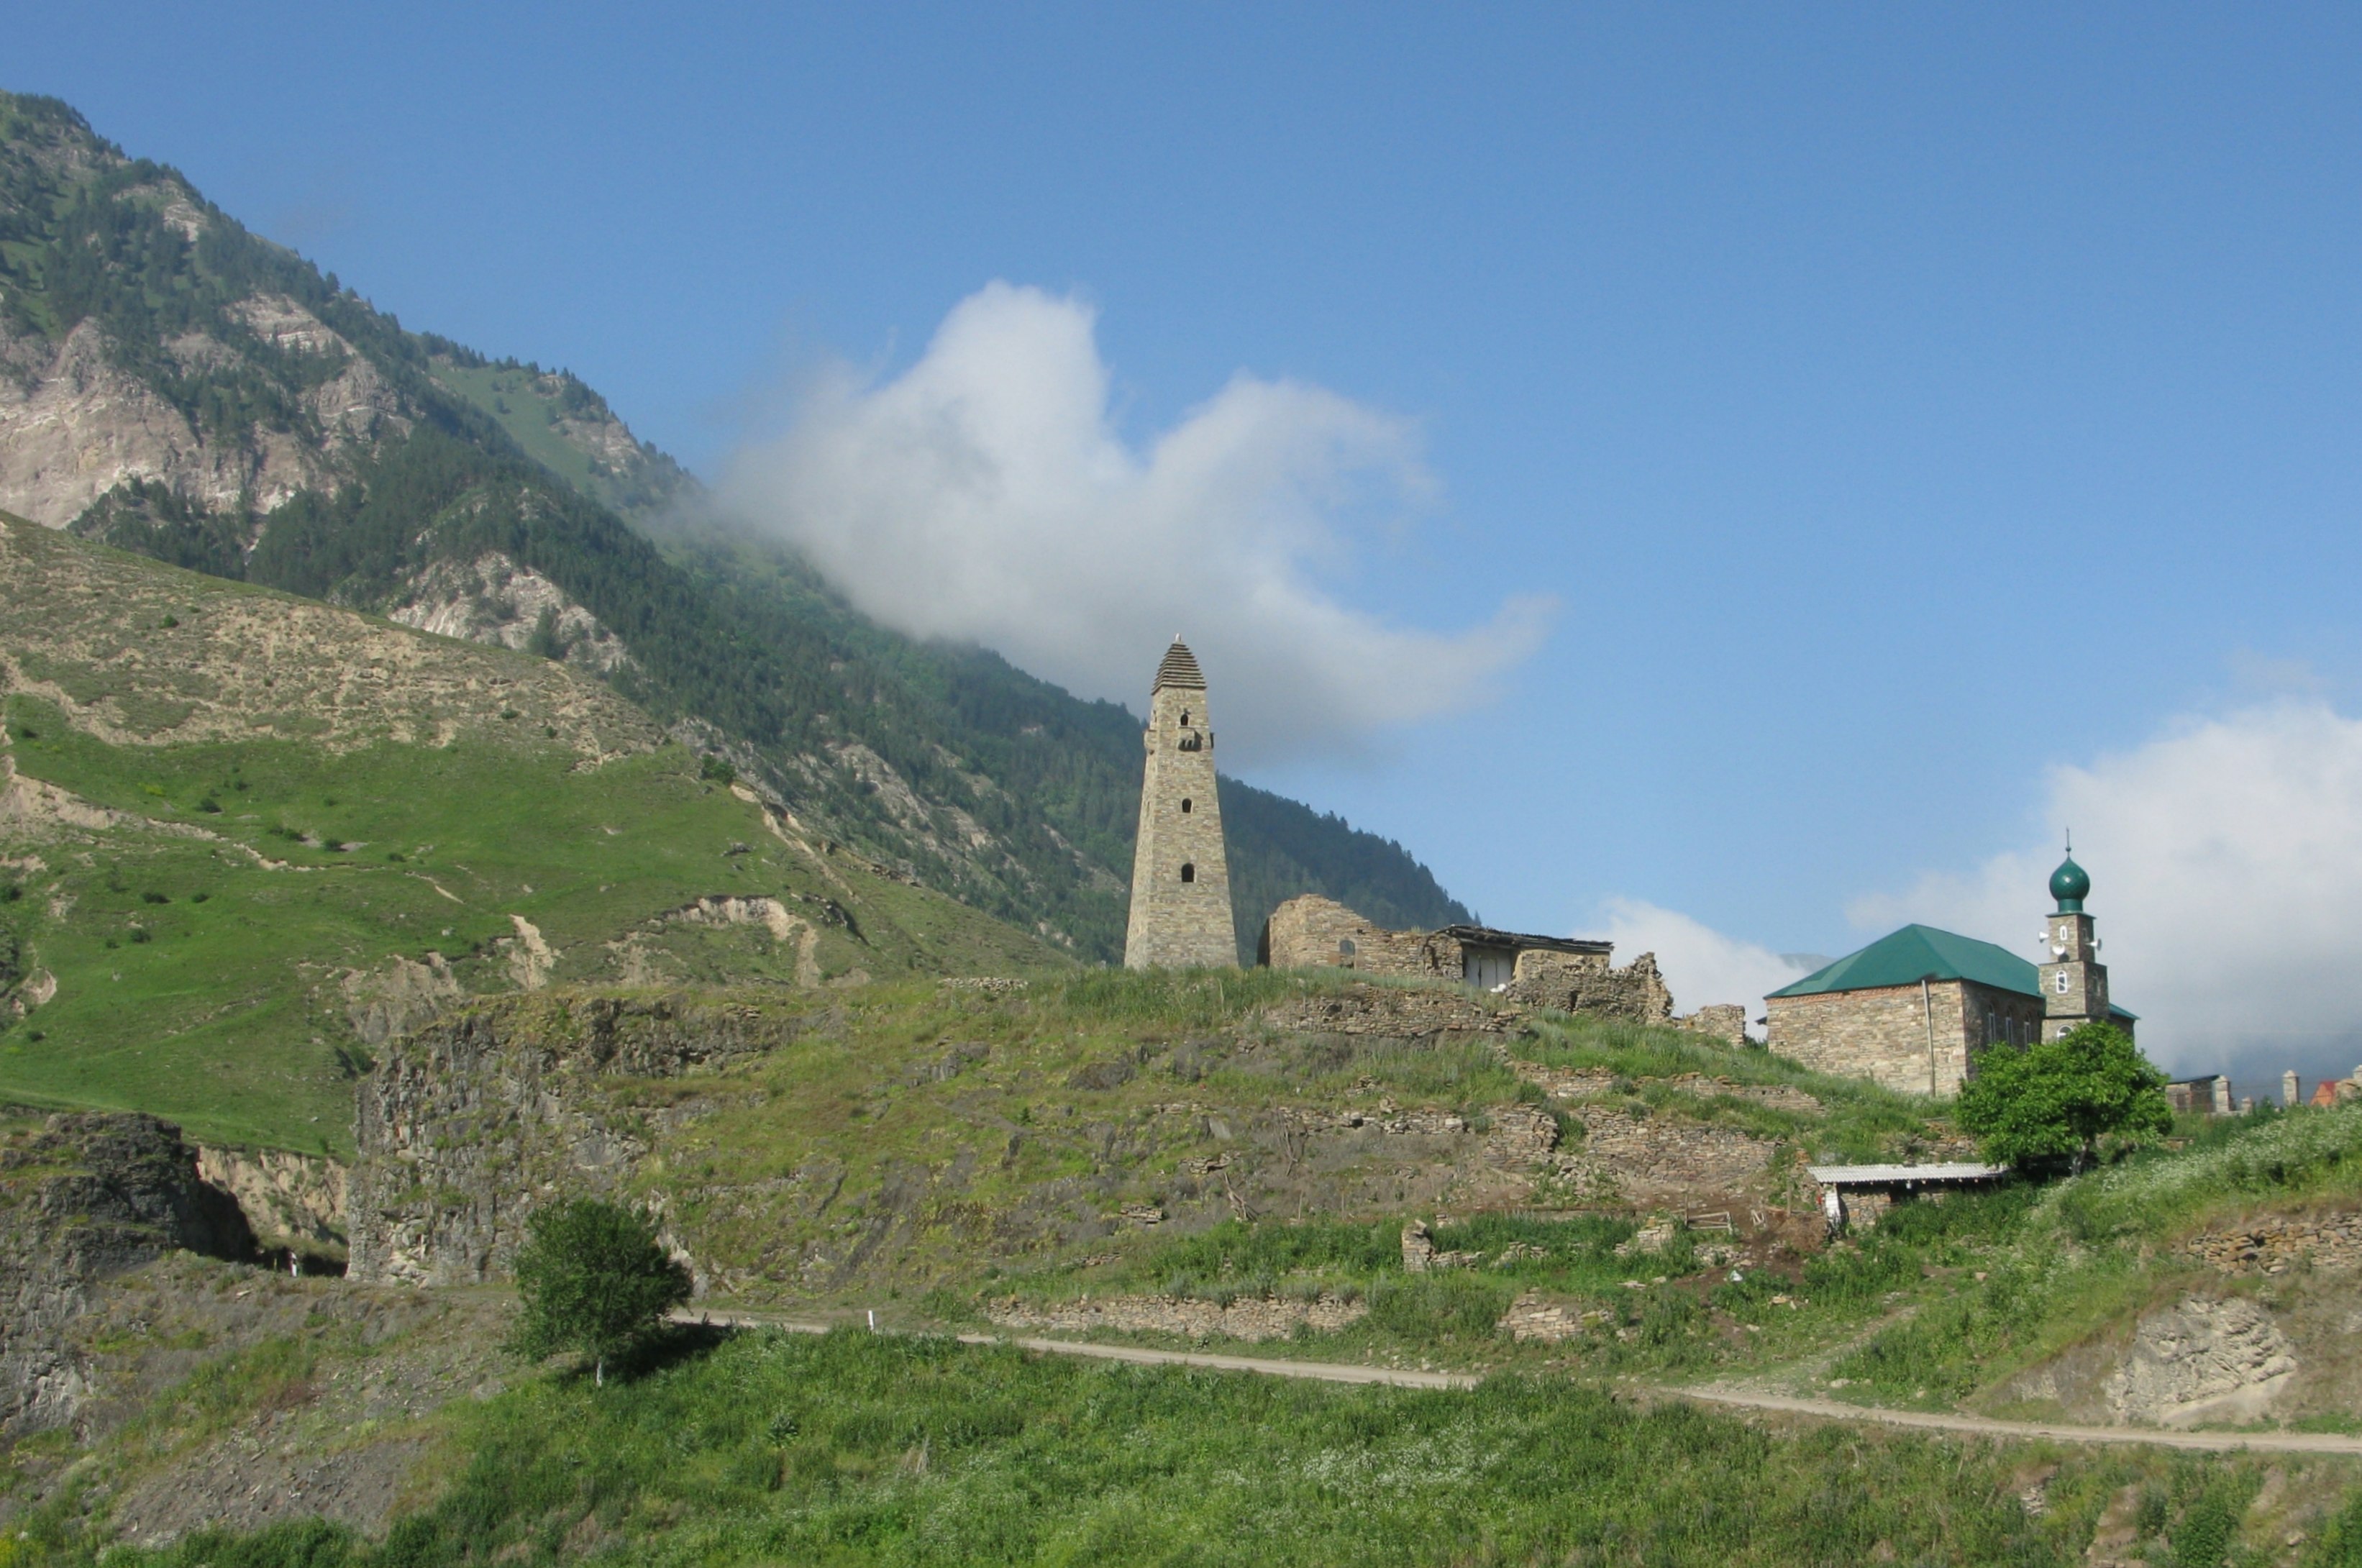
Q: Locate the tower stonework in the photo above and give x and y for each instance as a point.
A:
(2074, 983)
(1180, 875)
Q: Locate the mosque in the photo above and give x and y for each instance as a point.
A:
(1913, 1007)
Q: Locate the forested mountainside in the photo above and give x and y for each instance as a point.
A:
(174, 385)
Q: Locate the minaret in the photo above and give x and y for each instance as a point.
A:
(1180, 878)
(2074, 983)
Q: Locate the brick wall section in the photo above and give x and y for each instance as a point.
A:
(1889, 1034)
(1177, 924)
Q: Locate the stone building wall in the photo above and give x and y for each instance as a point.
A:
(1180, 874)
(1887, 1035)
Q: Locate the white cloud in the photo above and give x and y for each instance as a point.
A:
(984, 494)
(2226, 872)
(1701, 966)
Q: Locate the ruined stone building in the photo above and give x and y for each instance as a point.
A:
(2210, 1094)
(1180, 875)
(1567, 973)
(1910, 1009)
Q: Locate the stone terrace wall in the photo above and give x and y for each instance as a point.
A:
(2274, 1246)
(1644, 1152)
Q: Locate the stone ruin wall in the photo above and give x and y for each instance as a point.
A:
(1583, 982)
(1312, 932)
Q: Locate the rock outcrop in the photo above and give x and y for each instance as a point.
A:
(84, 1199)
(2202, 1361)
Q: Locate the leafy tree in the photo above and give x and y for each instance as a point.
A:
(592, 1278)
(2062, 1095)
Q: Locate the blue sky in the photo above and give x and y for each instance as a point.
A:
(1898, 405)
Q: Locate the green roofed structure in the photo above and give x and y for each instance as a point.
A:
(1912, 1009)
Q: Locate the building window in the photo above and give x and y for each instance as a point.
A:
(1185, 808)
(1188, 872)
(1184, 718)
(1345, 946)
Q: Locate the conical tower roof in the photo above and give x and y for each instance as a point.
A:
(1179, 668)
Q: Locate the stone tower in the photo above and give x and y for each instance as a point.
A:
(2074, 983)
(1180, 878)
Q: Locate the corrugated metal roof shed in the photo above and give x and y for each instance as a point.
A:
(1904, 1176)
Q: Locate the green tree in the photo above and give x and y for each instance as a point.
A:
(2062, 1095)
(592, 1278)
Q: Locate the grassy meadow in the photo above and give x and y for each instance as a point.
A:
(763, 1448)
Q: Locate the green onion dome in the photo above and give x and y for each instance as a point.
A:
(2070, 884)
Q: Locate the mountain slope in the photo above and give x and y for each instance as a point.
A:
(246, 838)
(174, 385)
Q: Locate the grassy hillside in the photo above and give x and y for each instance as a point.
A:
(242, 826)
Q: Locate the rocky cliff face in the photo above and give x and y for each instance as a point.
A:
(84, 1199)
(468, 1125)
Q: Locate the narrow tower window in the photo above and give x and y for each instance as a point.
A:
(1185, 808)
(1184, 718)
(1188, 872)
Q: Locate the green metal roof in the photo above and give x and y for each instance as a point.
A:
(1922, 953)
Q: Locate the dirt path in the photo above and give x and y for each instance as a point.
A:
(2261, 1442)
(1321, 1371)
(1785, 1404)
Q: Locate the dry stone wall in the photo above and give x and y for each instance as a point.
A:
(1314, 933)
(1262, 1318)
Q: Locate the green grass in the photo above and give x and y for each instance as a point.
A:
(1858, 1121)
(515, 397)
(854, 1449)
(858, 1450)
(199, 983)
